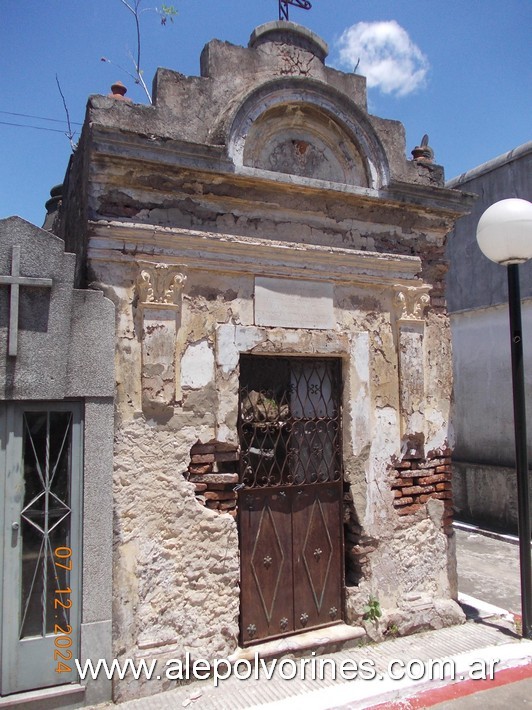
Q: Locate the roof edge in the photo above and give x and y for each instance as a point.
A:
(490, 165)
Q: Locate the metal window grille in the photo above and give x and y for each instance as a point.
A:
(289, 421)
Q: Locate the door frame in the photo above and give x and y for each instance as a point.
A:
(275, 490)
(18, 672)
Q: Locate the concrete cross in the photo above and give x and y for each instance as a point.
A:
(15, 280)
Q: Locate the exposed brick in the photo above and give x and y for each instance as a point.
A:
(403, 464)
(403, 501)
(225, 478)
(442, 495)
(409, 509)
(435, 478)
(444, 469)
(416, 490)
(227, 504)
(397, 493)
(221, 486)
(202, 458)
(220, 495)
(200, 487)
(444, 486)
(200, 448)
(434, 463)
(200, 469)
(226, 456)
(401, 482)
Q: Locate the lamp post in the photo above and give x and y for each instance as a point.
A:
(504, 235)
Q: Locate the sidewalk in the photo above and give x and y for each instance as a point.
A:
(486, 640)
(487, 637)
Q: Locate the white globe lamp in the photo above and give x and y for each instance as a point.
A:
(504, 232)
(504, 235)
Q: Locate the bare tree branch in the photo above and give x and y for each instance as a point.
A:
(165, 12)
(70, 133)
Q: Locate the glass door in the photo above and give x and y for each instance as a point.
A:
(42, 454)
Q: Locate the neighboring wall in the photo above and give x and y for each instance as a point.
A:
(484, 477)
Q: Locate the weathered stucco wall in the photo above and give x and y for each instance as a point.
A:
(192, 217)
(176, 563)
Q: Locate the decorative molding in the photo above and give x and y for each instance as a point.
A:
(237, 254)
(160, 285)
(410, 302)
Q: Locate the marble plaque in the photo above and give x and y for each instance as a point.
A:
(294, 304)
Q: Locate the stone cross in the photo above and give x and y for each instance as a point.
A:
(15, 280)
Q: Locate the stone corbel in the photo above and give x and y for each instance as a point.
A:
(159, 290)
(410, 303)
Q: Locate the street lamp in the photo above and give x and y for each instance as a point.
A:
(504, 235)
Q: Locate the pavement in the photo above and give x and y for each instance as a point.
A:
(482, 663)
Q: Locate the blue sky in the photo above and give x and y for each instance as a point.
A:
(459, 70)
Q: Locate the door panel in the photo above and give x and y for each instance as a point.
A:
(42, 560)
(266, 561)
(317, 554)
(290, 509)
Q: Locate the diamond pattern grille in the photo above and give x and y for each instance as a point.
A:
(45, 519)
(289, 421)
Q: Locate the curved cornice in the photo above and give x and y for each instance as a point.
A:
(233, 126)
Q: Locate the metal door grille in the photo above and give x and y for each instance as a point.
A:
(289, 421)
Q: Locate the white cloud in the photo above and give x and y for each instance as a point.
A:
(389, 59)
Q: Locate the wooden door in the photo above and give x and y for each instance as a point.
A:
(40, 452)
(290, 506)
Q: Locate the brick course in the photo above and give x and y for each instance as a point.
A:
(427, 478)
(214, 489)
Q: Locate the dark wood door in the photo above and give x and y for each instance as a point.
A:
(317, 553)
(290, 505)
(291, 560)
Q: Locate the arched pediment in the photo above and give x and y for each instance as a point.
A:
(300, 127)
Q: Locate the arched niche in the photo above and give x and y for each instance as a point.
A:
(306, 129)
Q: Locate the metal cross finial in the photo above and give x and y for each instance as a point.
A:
(15, 280)
(283, 7)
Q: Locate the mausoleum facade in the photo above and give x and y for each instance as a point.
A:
(282, 356)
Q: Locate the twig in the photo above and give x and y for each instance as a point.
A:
(135, 12)
(70, 134)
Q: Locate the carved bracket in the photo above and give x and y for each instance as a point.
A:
(160, 285)
(410, 302)
(159, 290)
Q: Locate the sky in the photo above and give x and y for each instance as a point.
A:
(458, 70)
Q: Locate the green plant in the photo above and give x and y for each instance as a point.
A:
(392, 630)
(372, 610)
